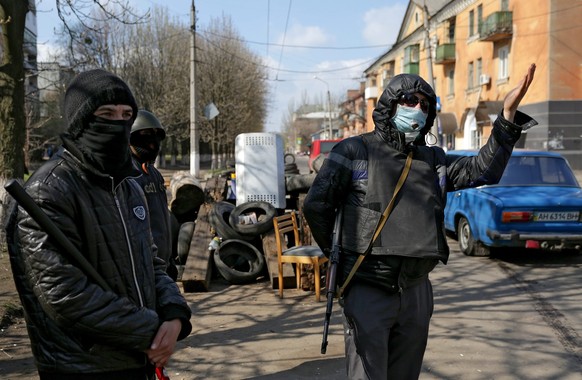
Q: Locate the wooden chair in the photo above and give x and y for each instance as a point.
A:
(298, 254)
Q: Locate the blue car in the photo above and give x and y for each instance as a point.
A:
(536, 204)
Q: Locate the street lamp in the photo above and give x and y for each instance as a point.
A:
(328, 105)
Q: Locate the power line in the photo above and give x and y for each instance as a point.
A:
(284, 36)
(278, 69)
(301, 46)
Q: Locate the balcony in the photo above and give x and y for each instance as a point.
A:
(371, 92)
(411, 68)
(496, 27)
(445, 53)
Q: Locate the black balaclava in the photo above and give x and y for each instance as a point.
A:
(146, 147)
(399, 85)
(104, 144)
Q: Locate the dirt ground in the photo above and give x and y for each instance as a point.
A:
(15, 354)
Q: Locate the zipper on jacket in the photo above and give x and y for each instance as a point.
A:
(137, 287)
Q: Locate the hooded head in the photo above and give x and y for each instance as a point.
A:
(397, 87)
(90, 90)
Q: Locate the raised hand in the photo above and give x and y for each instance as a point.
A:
(513, 98)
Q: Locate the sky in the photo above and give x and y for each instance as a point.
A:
(298, 40)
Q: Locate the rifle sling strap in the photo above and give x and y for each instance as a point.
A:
(383, 220)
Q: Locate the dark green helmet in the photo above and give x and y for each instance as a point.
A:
(147, 120)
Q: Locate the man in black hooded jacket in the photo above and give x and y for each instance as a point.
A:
(389, 302)
(79, 330)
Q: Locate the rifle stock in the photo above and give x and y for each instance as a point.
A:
(331, 282)
(27, 203)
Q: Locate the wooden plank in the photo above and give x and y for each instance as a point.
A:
(198, 269)
(270, 250)
(215, 188)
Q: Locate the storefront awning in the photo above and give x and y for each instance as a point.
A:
(447, 123)
(485, 114)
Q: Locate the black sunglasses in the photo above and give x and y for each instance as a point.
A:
(411, 100)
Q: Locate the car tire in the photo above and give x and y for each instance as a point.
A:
(219, 217)
(238, 261)
(299, 183)
(465, 237)
(318, 162)
(264, 211)
(184, 240)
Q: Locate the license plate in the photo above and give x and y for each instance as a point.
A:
(566, 216)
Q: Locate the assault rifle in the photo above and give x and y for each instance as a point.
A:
(331, 280)
(27, 203)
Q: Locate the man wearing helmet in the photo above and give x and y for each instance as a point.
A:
(147, 133)
(389, 302)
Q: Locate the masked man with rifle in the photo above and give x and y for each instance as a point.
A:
(393, 190)
(79, 328)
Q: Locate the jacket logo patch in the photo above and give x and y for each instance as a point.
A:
(140, 212)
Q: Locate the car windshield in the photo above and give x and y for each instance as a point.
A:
(534, 171)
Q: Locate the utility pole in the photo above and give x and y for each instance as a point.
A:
(328, 105)
(428, 47)
(329, 109)
(194, 154)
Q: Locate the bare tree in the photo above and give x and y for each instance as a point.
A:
(12, 75)
(233, 78)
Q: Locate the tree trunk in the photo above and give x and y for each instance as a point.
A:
(12, 120)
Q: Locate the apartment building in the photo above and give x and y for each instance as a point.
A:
(474, 51)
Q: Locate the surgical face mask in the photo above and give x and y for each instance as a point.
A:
(409, 120)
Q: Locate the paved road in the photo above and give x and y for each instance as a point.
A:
(501, 318)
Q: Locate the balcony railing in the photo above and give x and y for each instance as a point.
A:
(445, 53)
(497, 26)
(411, 68)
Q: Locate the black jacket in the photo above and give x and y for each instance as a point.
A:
(361, 173)
(74, 325)
(152, 183)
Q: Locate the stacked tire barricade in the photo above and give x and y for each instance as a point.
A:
(225, 236)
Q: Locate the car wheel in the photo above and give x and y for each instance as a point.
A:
(238, 262)
(466, 241)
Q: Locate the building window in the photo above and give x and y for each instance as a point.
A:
(451, 82)
(471, 23)
(503, 55)
(451, 34)
(411, 59)
(479, 17)
(479, 70)
(504, 5)
(470, 76)
(387, 73)
(476, 139)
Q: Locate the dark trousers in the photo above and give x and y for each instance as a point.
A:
(132, 374)
(386, 334)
